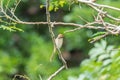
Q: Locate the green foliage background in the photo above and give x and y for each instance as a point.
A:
(28, 52)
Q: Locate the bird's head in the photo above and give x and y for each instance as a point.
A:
(60, 36)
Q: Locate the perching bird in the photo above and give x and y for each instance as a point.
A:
(59, 42)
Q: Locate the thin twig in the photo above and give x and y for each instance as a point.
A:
(99, 5)
(5, 14)
(7, 5)
(14, 15)
(40, 77)
(113, 18)
(16, 5)
(83, 19)
(72, 30)
(110, 27)
(104, 13)
(51, 32)
(98, 38)
(56, 72)
(88, 25)
(53, 39)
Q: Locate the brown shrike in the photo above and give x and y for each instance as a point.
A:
(59, 42)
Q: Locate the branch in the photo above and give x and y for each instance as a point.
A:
(99, 8)
(100, 37)
(99, 5)
(16, 5)
(56, 72)
(104, 13)
(51, 32)
(96, 6)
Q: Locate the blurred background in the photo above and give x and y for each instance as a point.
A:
(28, 53)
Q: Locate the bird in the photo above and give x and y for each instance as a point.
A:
(59, 43)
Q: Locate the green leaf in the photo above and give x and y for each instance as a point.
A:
(15, 28)
(11, 28)
(106, 62)
(41, 6)
(103, 56)
(61, 3)
(98, 34)
(51, 8)
(7, 28)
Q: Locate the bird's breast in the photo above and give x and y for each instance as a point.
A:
(59, 42)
